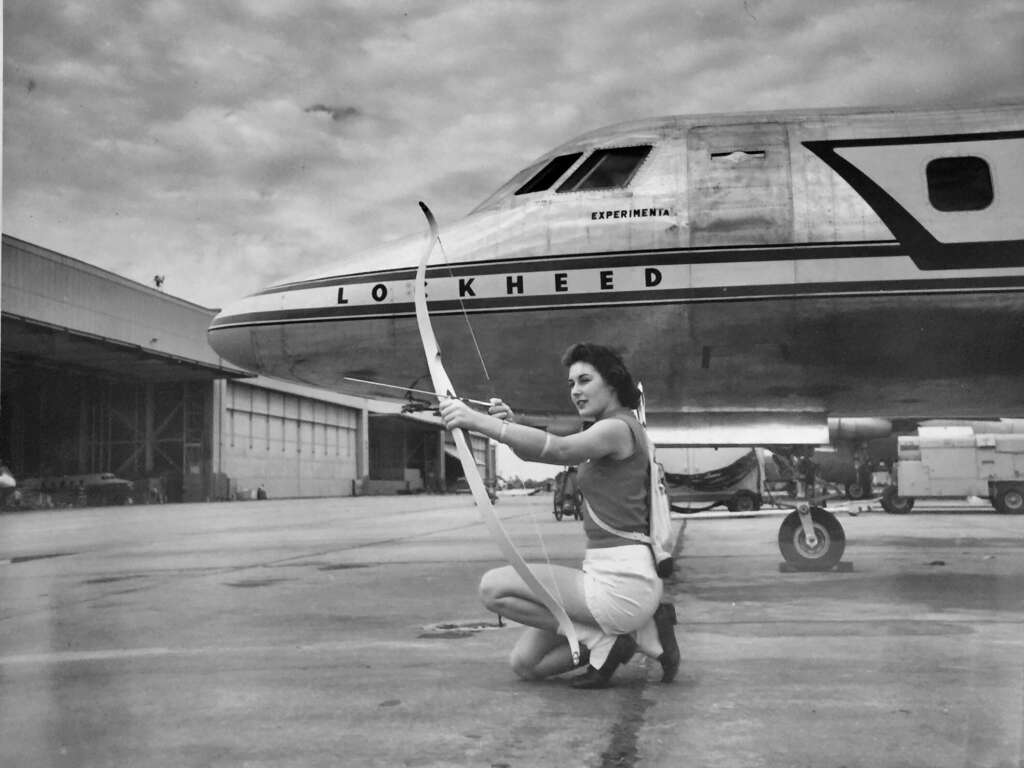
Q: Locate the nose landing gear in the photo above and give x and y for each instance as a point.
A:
(811, 539)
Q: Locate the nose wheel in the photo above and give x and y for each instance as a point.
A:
(812, 539)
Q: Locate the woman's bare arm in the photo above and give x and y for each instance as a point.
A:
(607, 437)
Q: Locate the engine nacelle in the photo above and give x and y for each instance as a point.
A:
(857, 429)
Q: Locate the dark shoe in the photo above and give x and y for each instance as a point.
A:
(665, 620)
(584, 656)
(621, 652)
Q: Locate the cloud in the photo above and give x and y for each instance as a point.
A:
(337, 114)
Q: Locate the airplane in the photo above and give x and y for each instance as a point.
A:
(761, 272)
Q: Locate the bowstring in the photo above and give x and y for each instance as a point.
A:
(491, 388)
(465, 315)
(547, 557)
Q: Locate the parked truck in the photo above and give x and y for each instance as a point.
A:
(957, 462)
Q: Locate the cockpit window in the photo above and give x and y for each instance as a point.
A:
(606, 169)
(549, 174)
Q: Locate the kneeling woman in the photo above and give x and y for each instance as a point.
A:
(614, 601)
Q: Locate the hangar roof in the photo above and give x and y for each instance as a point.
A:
(62, 313)
(64, 350)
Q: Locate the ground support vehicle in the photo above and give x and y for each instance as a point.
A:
(955, 462)
(568, 498)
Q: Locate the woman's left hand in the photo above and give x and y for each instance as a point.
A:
(457, 414)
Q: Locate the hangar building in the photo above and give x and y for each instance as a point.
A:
(100, 374)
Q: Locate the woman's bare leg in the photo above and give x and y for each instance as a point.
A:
(539, 654)
(504, 592)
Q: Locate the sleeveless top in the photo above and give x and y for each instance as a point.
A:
(617, 489)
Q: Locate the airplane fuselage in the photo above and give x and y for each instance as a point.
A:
(843, 262)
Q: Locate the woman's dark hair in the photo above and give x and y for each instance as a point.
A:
(611, 368)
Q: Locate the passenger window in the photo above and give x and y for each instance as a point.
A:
(606, 169)
(549, 174)
(959, 183)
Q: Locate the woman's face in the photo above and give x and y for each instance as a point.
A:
(593, 397)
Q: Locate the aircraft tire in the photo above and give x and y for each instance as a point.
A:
(856, 490)
(829, 549)
(1009, 500)
(895, 504)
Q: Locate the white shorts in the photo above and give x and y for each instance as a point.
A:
(621, 587)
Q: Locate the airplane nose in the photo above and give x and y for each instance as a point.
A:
(321, 325)
(233, 343)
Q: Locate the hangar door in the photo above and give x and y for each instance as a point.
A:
(292, 445)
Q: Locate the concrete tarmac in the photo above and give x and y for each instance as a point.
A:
(347, 632)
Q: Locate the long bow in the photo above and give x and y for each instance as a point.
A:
(476, 484)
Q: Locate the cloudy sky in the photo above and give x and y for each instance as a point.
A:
(225, 144)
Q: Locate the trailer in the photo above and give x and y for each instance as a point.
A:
(956, 462)
(700, 478)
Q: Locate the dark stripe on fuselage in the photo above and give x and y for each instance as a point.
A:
(612, 259)
(942, 138)
(521, 303)
(924, 249)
